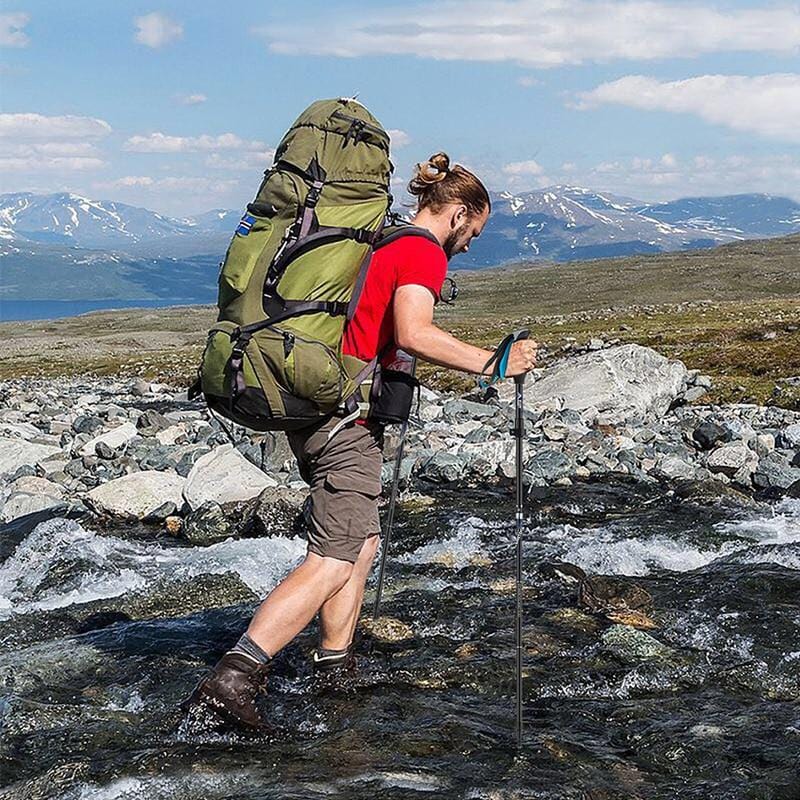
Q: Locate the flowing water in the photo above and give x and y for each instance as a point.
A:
(103, 632)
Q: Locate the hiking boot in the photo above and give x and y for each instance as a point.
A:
(231, 688)
(333, 660)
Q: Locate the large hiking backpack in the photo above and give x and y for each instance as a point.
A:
(293, 273)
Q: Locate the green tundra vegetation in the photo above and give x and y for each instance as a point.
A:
(732, 312)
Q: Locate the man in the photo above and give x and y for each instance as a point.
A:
(396, 308)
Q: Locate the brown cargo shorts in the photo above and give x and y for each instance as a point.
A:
(344, 473)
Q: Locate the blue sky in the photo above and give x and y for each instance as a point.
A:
(176, 105)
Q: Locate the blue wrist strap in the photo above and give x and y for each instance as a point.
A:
(498, 363)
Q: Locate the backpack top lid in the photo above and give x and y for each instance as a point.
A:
(327, 131)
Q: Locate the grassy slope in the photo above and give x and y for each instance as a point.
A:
(717, 310)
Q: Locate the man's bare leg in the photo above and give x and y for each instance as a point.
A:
(292, 604)
(339, 613)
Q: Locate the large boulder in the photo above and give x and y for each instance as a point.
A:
(621, 382)
(16, 453)
(30, 494)
(138, 495)
(224, 476)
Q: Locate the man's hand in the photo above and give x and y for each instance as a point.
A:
(522, 357)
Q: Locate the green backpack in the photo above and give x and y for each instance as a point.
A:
(293, 273)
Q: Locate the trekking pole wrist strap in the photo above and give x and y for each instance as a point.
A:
(497, 365)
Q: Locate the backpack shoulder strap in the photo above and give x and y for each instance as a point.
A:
(391, 233)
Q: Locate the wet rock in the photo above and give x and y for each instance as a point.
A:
(224, 475)
(276, 511)
(387, 629)
(15, 453)
(631, 645)
(208, 524)
(138, 494)
(573, 618)
(708, 435)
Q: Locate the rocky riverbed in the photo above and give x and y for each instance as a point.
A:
(662, 616)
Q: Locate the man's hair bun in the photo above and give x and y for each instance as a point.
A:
(435, 184)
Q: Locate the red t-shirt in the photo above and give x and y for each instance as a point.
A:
(409, 260)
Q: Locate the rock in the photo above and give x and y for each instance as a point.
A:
(469, 408)
(86, 423)
(387, 629)
(276, 511)
(547, 466)
(765, 443)
(114, 438)
(429, 413)
(137, 495)
(620, 382)
(443, 467)
(20, 504)
(695, 393)
(171, 435)
(151, 421)
(629, 644)
(160, 514)
(790, 437)
(173, 525)
(224, 475)
(104, 450)
(208, 524)
(15, 453)
(775, 472)
(729, 458)
(596, 344)
(673, 468)
(708, 435)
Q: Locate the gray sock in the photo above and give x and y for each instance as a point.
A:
(247, 647)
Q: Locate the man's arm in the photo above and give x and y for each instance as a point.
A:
(415, 333)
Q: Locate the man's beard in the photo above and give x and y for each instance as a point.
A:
(451, 242)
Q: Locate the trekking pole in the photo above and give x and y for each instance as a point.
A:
(398, 459)
(519, 423)
(498, 363)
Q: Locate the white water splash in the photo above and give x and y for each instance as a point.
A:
(461, 549)
(61, 563)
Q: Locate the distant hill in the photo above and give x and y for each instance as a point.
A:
(63, 246)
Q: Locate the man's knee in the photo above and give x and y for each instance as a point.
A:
(337, 572)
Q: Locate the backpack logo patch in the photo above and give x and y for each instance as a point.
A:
(245, 223)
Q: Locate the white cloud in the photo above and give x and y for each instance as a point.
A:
(529, 167)
(169, 183)
(541, 33)
(39, 144)
(37, 163)
(247, 161)
(191, 99)
(666, 177)
(162, 143)
(398, 138)
(11, 30)
(38, 126)
(156, 30)
(768, 105)
(527, 81)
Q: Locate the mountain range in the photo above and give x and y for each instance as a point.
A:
(64, 246)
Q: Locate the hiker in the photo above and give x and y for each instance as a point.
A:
(395, 310)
